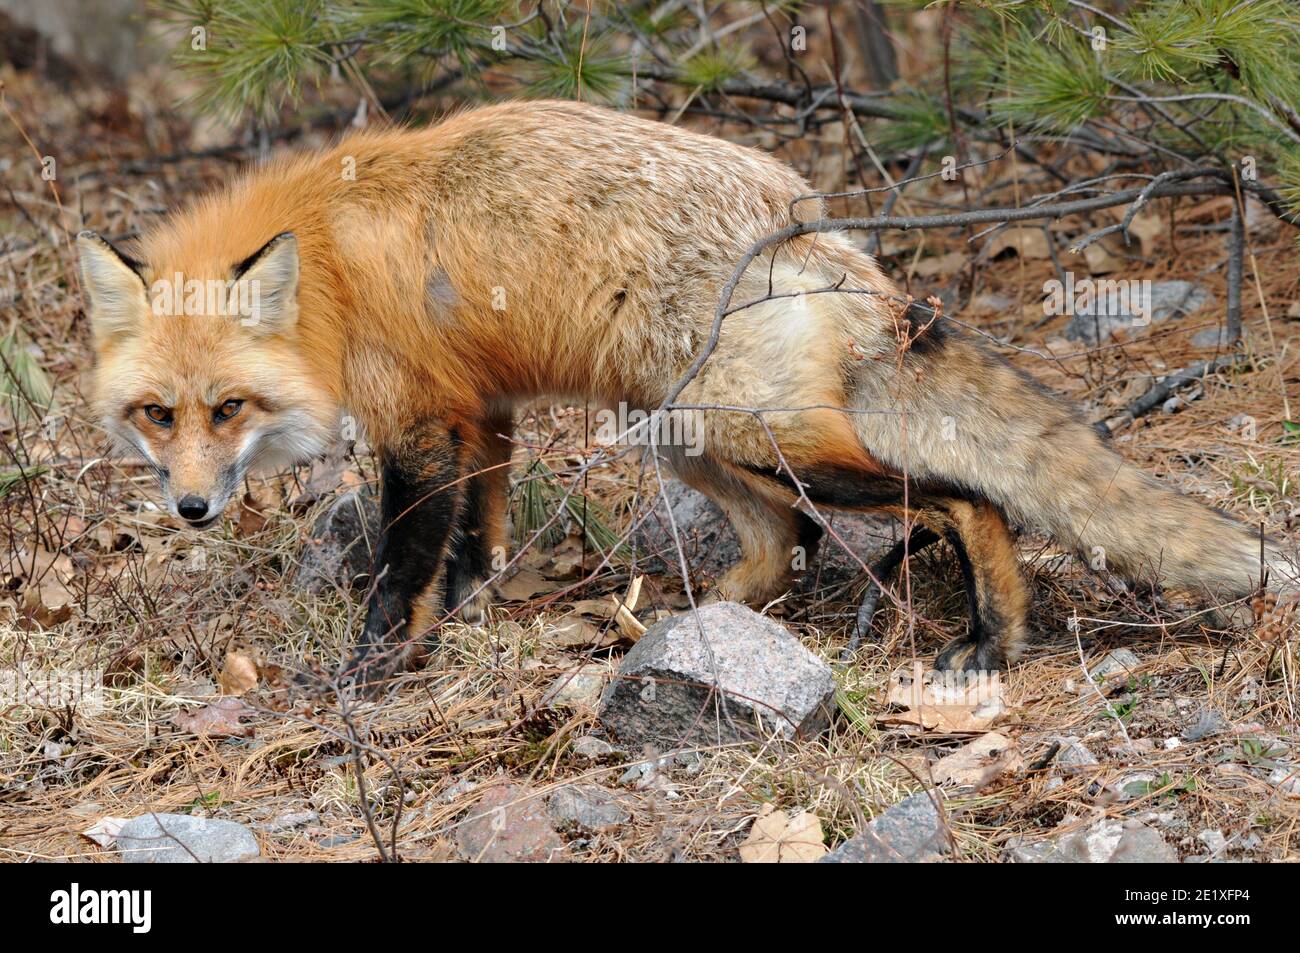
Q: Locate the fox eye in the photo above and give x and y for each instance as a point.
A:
(162, 416)
(227, 410)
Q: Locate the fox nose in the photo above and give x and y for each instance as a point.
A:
(192, 507)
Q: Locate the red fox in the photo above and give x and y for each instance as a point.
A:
(427, 280)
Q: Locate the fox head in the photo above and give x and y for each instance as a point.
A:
(200, 368)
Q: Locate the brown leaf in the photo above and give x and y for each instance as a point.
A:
(778, 839)
(1028, 243)
(1101, 260)
(946, 719)
(239, 674)
(566, 560)
(980, 762)
(628, 624)
(49, 604)
(941, 266)
(941, 704)
(523, 585)
(593, 608)
(1147, 227)
(575, 632)
(253, 516)
(221, 719)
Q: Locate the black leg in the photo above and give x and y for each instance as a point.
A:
(469, 560)
(995, 590)
(422, 494)
(478, 551)
(882, 570)
(975, 650)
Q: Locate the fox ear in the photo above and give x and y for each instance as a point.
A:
(272, 276)
(114, 287)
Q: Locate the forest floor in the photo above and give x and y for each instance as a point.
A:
(1195, 737)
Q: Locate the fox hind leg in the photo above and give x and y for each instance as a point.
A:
(995, 589)
(774, 536)
(997, 593)
(919, 538)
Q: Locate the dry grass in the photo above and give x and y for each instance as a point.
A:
(160, 612)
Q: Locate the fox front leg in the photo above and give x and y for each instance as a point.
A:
(481, 545)
(422, 492)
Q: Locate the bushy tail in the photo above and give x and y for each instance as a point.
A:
(965, 417)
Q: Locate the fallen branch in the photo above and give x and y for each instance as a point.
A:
(1161, 390)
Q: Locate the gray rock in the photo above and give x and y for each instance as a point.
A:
(287, 822)
(1120, 660)
(100, 40)
(458, 789)
(588, 806)
(1167, 819)
(1106, 842)
(1287, 779)
(1213, 337)
(1208, 723)
(909, 832)
(182, 839)
(592, 748)
(337, 840)
(579, 688)
(766, 682)
(650, 773)
(339, 546)
(1136, 785)
(1039, 852)
(510, 824)
(711, 546)
(1213, 839)
(1074, 756)
(1142, 845)
(1094, 321)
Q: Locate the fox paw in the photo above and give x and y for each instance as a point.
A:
(473, 596)
(963, 654)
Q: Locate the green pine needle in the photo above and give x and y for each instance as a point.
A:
(254, 55)
(541, 495)
(1054, 88)
(399, 30)
(580, 68)
(24, 385)
(708, 70)
(19, 475)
